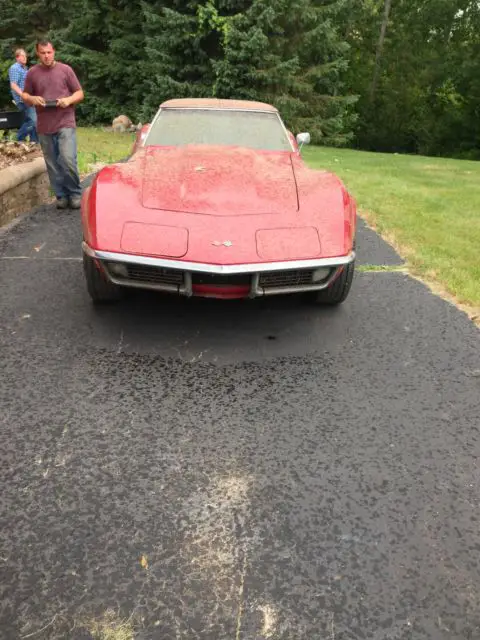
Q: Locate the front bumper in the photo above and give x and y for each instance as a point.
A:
(218, 281)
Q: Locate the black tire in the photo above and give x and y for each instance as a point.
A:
(101, 290)
(338, 291)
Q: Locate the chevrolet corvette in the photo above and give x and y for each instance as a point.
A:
(217, 201)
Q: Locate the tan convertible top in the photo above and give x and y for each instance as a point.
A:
(213, 103)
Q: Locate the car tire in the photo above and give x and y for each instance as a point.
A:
(100, 289)
(338, 291)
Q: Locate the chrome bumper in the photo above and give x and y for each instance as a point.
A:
(189, 269)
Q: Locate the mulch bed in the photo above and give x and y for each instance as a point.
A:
(12, 153)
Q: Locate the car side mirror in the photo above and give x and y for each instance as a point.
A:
(303, 138)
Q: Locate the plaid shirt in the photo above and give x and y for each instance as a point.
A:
(17, 73)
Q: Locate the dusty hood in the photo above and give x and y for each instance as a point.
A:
(219, 181)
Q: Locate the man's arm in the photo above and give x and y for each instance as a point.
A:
(27, 97)
(34, 101)
(14, 86)
(72, 100)
(76, 89)
(14, 77)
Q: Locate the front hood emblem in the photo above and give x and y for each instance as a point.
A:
(217, 243)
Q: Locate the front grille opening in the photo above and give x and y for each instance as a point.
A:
(146, 274)
(291, 278)
(155, 275)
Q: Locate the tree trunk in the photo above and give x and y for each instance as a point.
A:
(381, 41)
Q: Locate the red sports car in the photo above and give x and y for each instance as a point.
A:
(216, 201)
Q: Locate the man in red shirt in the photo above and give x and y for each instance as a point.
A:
(53, 89)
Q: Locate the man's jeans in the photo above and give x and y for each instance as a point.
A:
(29, 125)
(60, 153)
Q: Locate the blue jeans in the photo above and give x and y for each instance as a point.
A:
(60, 153)
(29, 125)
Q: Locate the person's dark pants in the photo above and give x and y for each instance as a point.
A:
(29, 125)
(60, 153)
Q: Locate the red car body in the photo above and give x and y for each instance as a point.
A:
(217, 220)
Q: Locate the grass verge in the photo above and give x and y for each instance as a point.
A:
(97, 147)
(428, 208)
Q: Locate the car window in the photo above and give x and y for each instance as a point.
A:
(257, 130)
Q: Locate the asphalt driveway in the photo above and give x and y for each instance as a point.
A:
(244, 471)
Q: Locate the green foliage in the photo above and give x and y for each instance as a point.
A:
(178, 63)
(5, 95)
(428, 95)
(286, 52)
(314, 59)
(105, 47)
(21, 24)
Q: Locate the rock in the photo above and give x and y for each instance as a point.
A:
(121, 124)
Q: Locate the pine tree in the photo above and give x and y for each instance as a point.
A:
(21, 24)
(286, 52)
(178, 54)
(105, 46)
(324, 55)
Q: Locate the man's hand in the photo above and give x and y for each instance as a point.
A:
(37, 101)
(63, 102)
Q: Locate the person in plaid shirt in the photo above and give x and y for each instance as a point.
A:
(17, 74)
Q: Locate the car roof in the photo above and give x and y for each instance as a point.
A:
(214, 103)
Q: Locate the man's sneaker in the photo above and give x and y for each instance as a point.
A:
(62, 203)
(75, 202)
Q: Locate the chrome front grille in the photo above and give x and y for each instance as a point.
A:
(190, 283)
(281, 279)
(154, 275)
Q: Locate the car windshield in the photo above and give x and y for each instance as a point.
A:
(253, 129)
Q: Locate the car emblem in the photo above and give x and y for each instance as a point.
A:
(217, 243)
(200, 169)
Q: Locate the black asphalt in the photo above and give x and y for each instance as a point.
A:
(244, 471)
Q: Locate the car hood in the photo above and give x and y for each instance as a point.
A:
(222, 181)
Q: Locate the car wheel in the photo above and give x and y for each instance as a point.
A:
(100, 289)
(338, 291)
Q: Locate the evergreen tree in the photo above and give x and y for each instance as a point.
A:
(21, 24)
(413, 63)
(324, 57)
(286, 52)
(178, 54)
(105, 46)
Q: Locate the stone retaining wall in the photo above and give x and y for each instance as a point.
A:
(22, 187)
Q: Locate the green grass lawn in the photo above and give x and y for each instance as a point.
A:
(98, 146)
(429, 208)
